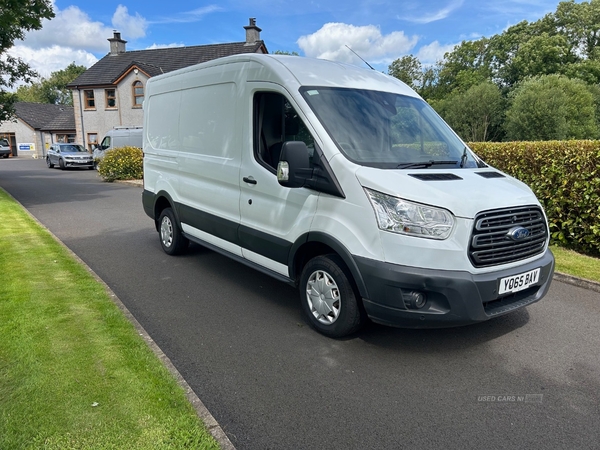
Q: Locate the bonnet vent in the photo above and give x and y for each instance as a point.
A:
(490, 174)
(435, 176)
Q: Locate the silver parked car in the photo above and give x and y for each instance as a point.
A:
(5, 150)
(69, 155)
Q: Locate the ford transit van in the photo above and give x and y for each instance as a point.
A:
(344, 183)
(118, 137)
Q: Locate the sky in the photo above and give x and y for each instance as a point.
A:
(380, 31)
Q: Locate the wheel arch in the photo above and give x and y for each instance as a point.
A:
(163, 200)
(314, 244)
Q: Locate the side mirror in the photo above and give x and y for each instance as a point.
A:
(293, 168)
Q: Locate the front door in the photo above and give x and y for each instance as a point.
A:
(272, 216)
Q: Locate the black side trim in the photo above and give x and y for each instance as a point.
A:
(248, 238)
(264, 244)
(239, 259)
(148, 200)
(209, 223)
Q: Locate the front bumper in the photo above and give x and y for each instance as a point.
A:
(454, 298)
(79, 163)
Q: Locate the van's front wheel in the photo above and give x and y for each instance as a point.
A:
(329, 298)
(171, 239)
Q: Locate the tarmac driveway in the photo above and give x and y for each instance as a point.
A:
(527, 380)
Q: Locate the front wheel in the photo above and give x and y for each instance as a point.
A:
(61, 164)
(329, 298)
(171, 239)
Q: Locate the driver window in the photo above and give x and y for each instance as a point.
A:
(275, 122)
(105, 142)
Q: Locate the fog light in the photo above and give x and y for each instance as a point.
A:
(414, 299)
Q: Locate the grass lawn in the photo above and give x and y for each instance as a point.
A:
(572, 263)
(74, 373)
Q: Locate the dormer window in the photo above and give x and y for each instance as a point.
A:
(138, 94)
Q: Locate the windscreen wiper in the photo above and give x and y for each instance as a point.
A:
(463, 158)
(424, 164)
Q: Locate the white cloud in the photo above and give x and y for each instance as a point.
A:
(72, 36)
(51, 59)
(73, 28)
(190, 16)
(331, 40)
(155, 46)
(131, 26)
(436, 15)
(431, 53)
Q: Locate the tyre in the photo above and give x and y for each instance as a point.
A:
(50, 165)
(329, 297)
(171, 239)
(61, 164)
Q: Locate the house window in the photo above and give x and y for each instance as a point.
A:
(111, 98)
(89, 99)
(65, 138)
(138, 94)
(92, 139)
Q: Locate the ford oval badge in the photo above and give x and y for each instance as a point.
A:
(518, 233)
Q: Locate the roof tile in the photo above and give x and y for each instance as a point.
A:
(156, 61)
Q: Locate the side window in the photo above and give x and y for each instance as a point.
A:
(138, 94)
(275, 122)
(105, 142)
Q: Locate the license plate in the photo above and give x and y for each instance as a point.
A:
(519, 282)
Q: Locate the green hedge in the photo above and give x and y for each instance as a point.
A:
(123, 163)
(565, 177)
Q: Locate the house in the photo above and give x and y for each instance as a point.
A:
(36, 126)
(111, 92)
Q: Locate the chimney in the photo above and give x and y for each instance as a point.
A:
(252, 32)
(117, 45)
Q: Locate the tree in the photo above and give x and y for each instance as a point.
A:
(551, 107)
(476, 114)
(407, 69)
(16, 18)
(54, 89)
(465, 66)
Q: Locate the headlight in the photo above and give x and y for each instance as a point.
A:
(401, 216)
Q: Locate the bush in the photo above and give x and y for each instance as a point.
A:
(124, 163)
(565, 176)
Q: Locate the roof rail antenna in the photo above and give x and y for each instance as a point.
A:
(370, 66)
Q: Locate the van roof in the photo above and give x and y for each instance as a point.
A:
(306, 72)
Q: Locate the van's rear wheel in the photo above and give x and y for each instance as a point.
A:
(171, 239)
(329, 298)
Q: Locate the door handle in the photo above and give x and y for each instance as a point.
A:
(249, 180)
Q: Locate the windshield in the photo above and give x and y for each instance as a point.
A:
(72, 148)
(387, 130)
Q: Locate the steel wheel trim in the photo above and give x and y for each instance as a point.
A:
(166, 232)
(323, 297)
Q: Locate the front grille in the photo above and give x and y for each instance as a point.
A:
(490, 241)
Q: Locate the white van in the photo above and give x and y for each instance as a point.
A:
(118, 137)
(343, 182)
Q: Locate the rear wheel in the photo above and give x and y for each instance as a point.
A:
(50, 165)
(171, 239)
(329, 297)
